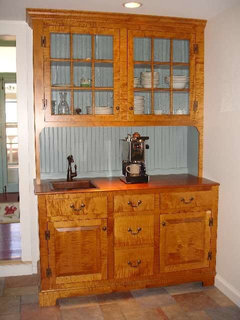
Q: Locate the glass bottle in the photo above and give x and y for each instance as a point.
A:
(63, 107)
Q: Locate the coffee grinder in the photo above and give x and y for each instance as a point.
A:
(133, 158)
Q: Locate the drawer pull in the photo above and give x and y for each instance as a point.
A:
(72, 206)
(187, 202)
(134, 265)
(134, 233)
(134, 205)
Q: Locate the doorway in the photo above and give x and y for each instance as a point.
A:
(10, 239)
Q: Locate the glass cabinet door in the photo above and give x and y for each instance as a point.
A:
(80, 73)
(160, 74)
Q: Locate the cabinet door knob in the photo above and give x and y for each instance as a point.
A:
(72, 206)
(130, 108)
(117, 108)
(187, 201)
(136, 232)
(130, 203)
(134, 265)
(104, 228)
(164, 224)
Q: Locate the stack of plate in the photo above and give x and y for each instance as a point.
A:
(100, 110)
(136, 82)
(138, 104)
(146, 79)
(179, 82)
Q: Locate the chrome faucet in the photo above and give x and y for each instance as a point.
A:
(70, 173)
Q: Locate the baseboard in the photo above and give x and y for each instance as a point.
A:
(16, 268)
(226, 288)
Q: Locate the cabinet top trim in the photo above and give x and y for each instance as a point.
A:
(43, 14)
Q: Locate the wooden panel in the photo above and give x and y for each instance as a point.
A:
(169, 150)
(82, 207)
(184, 241)
(130, 263)
(78, 250)
(134, 230)
(185, 200)
(134, 203)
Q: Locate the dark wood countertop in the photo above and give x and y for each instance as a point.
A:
(115, 184)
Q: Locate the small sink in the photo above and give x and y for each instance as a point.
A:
(69, 185)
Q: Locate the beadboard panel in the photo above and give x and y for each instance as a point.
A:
(96, 150)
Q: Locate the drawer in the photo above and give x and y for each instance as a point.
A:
(133, 230)
(82, 207)
(130, 263)
(134, 203)
(185, 200)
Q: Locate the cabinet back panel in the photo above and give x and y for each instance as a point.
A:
(96, 150)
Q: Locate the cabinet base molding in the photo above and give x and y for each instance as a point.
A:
(49, 297)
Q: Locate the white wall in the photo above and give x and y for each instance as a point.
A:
(28, 203)
(222, 140)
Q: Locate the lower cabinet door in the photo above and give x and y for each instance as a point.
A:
(77, 251)
(184, 241)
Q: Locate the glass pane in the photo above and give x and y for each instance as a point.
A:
(11, 111)
(82, 46)
(163, 76)
(60, 73)
(142, 49)
(162, 50)
(104, 102)
(161, 103)
(82, 102)
(103, 47)
(61, 102)
(12, 153)
(140, 76)
(142, 103)
(82, 73)
(180, 102)
(60, 45)
(180, 77)
(181, 51)
(104, 75)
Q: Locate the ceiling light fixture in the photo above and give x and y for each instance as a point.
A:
(132, 5)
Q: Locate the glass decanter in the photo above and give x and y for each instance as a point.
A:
(63, 107)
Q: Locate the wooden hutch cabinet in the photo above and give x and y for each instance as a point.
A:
(109, 69)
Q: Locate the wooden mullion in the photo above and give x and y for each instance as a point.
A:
(93, 73)
(152, 80)
(171, 76)
(71, 73)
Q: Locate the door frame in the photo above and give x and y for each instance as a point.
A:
(5, 78)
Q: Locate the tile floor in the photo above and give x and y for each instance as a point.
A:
(19, 300)
(10, 241)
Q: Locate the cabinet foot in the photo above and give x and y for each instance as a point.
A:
(208, 282)
(47, 299)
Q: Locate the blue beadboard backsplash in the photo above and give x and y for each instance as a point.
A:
(96, 150)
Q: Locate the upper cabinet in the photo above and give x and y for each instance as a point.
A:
(116, 69)
(81, 73)
(161, 73)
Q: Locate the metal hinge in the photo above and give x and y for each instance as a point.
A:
(47, 235)
(195, 48)
(48, 272)
(44, 102)
(210, 222)
(209, 255)
(43, 41)
(195, 105)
